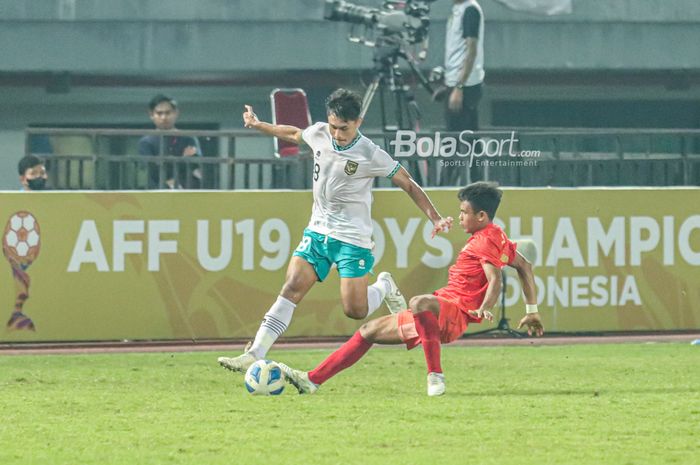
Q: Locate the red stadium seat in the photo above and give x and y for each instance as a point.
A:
(289, 106)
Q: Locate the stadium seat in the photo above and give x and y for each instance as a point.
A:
(289, 106)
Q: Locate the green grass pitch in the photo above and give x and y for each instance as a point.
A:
(580, 404)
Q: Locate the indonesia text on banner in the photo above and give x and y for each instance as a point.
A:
(179, 265)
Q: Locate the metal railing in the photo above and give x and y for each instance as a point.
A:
(108, 159)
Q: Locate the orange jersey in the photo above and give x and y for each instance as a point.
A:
(466, 282)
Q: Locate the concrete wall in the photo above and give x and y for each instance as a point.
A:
(185, 36)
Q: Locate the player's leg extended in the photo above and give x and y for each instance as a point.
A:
(360, 300)
(382, 330)
(426, 310)
(354, 296)
(301, 277)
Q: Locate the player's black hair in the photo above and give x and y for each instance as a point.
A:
(28, 161)
(160, 98)
(344, 104)
(482, 195)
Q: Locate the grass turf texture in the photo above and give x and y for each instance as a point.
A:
(579, 404)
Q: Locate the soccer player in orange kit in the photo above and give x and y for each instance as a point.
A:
(473, 287)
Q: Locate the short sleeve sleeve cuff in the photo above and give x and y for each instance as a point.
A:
(394, 171)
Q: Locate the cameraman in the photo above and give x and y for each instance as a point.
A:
(464, 65)
(464, 74)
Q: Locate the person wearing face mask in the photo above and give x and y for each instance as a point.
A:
(32, 173)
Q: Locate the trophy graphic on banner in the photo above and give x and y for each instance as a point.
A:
(21, 245)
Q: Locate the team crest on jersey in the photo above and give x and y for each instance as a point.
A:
(318, 154)
(504, 258)
(351, 167)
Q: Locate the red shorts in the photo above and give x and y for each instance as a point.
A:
(453, 322)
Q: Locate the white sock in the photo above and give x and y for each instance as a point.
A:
(375, 295)
(274, 323)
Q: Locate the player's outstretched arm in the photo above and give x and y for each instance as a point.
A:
(532, 319)
(493, 291)
(288, 133)
(404, 180)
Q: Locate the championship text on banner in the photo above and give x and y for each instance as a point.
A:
(184, 265)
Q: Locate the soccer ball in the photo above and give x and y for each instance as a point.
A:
(264, 378)
(21, 241)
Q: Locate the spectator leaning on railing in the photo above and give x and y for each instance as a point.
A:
(164, 113)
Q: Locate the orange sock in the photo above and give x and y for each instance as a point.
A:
(428, 330)
(343, 358)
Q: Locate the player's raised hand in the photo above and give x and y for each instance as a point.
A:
(444, 225)
(249, 117)
(533, 323)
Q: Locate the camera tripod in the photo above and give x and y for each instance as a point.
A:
(388, 76)
(502, 327)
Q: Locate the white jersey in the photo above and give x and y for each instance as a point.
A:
(343, 179)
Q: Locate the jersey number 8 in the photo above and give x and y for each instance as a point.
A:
(304, 244)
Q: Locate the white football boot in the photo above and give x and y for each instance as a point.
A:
(393, 299)
(239, 364)
(298, 379)
(436, 384)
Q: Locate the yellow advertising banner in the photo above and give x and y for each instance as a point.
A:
(86, 266)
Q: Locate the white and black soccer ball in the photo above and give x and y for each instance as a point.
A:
(264, 378)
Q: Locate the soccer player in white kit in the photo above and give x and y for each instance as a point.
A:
(340, 229)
